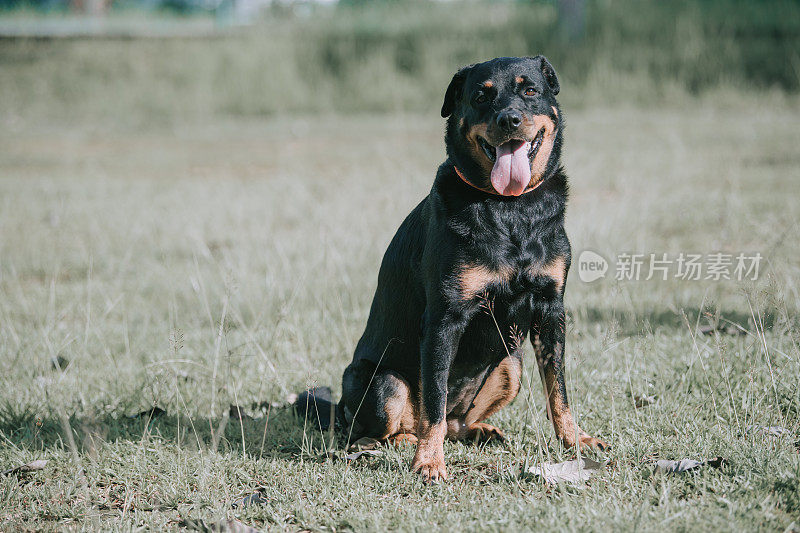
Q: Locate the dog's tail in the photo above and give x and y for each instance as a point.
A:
(316, 405)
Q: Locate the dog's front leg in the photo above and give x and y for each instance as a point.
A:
(442, 333)
(547, 337)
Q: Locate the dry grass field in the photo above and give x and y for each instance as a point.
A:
(200, 264)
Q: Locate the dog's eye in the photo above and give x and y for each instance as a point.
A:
(531, 91)
(481, 98)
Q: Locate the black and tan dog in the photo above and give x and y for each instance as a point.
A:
(479, 264)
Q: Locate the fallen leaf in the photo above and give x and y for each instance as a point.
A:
(364, 443)
(676, 467)
(777, 432)
(567, 472)
(29, 467)
(150, 414)
(724, 329)
(256, 498)
(356, 455)
(224, 526)
(668, 466)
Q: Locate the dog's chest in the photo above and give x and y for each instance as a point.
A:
(507, 253)
(514, 273)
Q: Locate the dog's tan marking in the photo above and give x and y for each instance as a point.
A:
(400, 410)
(500, 388)
(558, 411)
(475, 131)
(457, 429)
(555, 111)
(482, 432)
(488, 84)
(429, 457)
(557, 408)
(402, 439)
(555, 269)
(473, 279)
(530, 127)
(519, 79)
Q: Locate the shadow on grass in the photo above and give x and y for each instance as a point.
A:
(278, 434)
(640, 323)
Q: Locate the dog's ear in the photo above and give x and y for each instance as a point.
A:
(548, 72)
(453, 92)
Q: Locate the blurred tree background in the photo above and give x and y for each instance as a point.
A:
(234, 57)
(195, 196)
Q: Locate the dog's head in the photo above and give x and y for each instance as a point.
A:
(504, 126)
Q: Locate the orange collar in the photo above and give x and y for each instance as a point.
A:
(491, 190)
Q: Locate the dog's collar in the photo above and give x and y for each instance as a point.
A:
(489, 190)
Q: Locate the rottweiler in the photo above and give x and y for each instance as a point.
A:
(478, 265)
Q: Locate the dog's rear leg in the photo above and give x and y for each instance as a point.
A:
(377, 402)
(500, 387)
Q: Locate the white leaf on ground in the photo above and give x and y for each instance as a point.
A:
(365, 443)
(770, 431)
(30, 467)
(567, 472)
(725, 329)
(684, 465)
(356, 455)
(677, 467)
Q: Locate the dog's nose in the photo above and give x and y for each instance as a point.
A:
(509, 120)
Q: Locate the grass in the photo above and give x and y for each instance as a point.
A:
(184, 224)
(233, 262)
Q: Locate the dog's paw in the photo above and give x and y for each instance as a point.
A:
(431, 470)
(587, 441)
(402, 439)
(480, 432)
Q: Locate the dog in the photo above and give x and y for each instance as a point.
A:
(477, 267)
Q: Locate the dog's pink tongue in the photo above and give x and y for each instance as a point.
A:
(512, 170)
